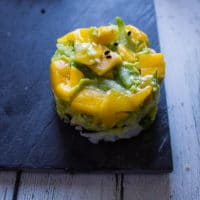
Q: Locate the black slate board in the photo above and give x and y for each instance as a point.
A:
(31, 135)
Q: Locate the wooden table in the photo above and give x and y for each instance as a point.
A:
(179, 31)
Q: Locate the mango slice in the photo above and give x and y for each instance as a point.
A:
(102, 35)
(67, 37)
(126, 54)
(138, 98)
(88, 101)
(64, 78)
(87, 53)
(136, 34)
(59, 72)
(64, 91)
(81, 35)
(114, 108)
(106, 34)
(148, 63)
(111, 120)
(75, 76)
(106, 62)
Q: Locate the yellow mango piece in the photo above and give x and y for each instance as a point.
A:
(59, 72)
(106, 63)
(64, 78)
(111, 120)
(136, 34)
(82, 35)
(87, 53)
(75, 76)
(114, 108)
(88, 101)
(126, 54)
(84, 59)
(67, 37)
(138, 98)
(85, 35)
(150, 60)
(64, 91)
(148, 63)
(116, 102)
(149, 70)
(106, 34)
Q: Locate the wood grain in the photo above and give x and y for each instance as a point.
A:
(181, 46)
(62, 186)
(7, 182)
(146, 187)
(178, 24)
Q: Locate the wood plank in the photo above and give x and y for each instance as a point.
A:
(178, 24)
(179, 33)
(63, 186)
(7, 183)
(143, 187)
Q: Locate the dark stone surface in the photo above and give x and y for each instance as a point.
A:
(31, 135)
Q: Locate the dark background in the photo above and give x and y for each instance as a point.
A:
(31, 135)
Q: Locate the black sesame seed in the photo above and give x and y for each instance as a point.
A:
(106, 52)
(115, 44)
(108, 56)
(129, 33)
(43, 11)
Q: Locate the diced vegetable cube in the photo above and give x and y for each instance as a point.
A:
(138, 98)
(126, 54)
(136, 34)
(64, 78)
(88, 101)
(106, 34)
(114, 107)
(75, 76)
(59, 71)
(87, 53)
(106, 63)
(148, 63)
